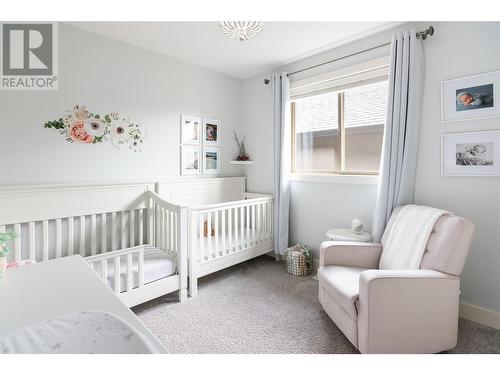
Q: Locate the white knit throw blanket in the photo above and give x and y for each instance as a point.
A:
(408, 238)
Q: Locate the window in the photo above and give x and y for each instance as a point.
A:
(340, 129)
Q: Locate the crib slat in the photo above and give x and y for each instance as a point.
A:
(156, 224)
(201, 240)
(236, 229)
(166, 233)
(103, 233)
(242, 227)
(168, 236)
(58, 238)
(123, 229)
(223, 231)
(113, 231)
(45, 240)
(209, 234)
(17, 243)
(129, 272)
(117, 274)
(264, 218)
(216, 224)
(230, 229)
(82, 236)
(71, 235)
(140, 270)
(248, 221)
(131, 215)
(141, 226)
(31, 240)
(161, 229)
(175, 217)
(150, 219)
(257, 224)
(253, 222)
(172, 231)
(93, 235)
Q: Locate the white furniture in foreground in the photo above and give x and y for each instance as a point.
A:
(47, 290)
(396, 311)
(346, 234)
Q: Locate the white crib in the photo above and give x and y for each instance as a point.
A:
(227, 225)
(134, 240)
(142, 244)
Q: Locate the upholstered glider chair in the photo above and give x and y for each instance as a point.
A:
(396, 311)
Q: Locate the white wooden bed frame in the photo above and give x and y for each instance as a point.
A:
(115, 223)
(102, 223)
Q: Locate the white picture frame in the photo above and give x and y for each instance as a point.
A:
(482, 92)
(190, 160)
(211, 160)
(471, 154)
(191, 127)
(211, 132)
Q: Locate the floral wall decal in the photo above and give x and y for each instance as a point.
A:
(81, 126)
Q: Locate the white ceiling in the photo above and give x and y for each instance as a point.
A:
(203, 44)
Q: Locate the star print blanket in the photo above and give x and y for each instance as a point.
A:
(85, 332)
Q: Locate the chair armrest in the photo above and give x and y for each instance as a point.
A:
(354, 254)
(413, 311)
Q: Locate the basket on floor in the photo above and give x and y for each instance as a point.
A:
(298, 260)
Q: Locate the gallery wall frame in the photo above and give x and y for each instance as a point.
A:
(211, 160)
(471, 154)
(190, 160)
(211, 132)
(471, 98)
(191, 130)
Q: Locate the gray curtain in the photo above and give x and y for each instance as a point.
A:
(402, 129)
(282, 144)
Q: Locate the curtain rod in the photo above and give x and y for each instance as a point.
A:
(419, 34)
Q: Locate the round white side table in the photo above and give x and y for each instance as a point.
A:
(346, 234)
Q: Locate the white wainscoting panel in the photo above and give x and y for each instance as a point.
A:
(198, 192)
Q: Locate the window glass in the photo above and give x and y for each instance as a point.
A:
(316, 133)
(365, 109)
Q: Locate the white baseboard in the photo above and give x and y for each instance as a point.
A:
(480, 315)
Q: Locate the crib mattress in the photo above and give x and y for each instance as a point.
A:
(157, 265)
(85, 332)
(209, 247)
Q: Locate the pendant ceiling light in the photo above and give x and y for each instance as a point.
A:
(241, 30)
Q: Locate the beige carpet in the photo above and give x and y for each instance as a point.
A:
(256, 307)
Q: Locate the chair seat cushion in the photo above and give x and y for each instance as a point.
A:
(342, 284)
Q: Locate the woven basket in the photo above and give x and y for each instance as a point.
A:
(298, 261)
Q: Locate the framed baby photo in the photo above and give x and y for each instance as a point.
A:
(190, 160)
(471, 154)
(211, 132)
(211, 160)
(190, 130)
(471, 98)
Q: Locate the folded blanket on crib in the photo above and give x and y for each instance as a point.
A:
(408, 238)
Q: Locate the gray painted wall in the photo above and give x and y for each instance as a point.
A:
(107, 75)
(455, 50)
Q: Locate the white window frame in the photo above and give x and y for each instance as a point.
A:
(355, 75)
